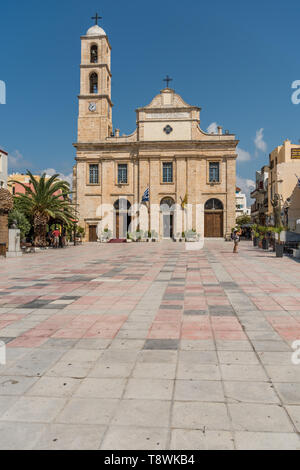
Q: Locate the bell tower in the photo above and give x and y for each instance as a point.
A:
(95, 106)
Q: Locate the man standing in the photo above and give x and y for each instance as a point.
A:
(55, 235)
(236, 239)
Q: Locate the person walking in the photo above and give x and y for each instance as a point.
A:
(236, 239)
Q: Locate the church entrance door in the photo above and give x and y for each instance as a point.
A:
(213, 224)
(168, 225)
(93, 233)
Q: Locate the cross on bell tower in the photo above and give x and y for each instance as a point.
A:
(96, 18)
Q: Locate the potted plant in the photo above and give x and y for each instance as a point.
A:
(265, 241)
(154, 235)
(278, 244)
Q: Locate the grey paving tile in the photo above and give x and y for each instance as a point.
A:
(101, 388)
(149, 389)
(289, 392)
(70, 437)
(187, 439)
(54, 387)
(153, 413)
(15, 385)
(266, 441)
(258, 417)
(135, 438)
(34, 409)
(250, 392)
(161, 344)
(19, 436)
(243, 372)
(197, 415)
(199, 390)
(88, 411)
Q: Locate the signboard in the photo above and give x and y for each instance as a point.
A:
(169, 116)
(295, 153)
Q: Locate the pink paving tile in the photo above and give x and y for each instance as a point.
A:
(37, 332)
(201, 334)
(164, 316)
(3, 324)
(68, 333)
(10, 317)
(229, 335)
(101, 333)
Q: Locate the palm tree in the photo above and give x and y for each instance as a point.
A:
(45, 199)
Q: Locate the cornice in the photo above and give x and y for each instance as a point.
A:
(94, 96)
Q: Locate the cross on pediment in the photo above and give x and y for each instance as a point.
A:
(167, 80)
(96, 18)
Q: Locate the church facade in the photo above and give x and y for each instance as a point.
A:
(167, 177)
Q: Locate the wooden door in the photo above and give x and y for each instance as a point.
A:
(213, 224)
(93, 233)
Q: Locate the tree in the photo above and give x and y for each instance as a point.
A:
(243, 219)
(22, 222)
(44, 200)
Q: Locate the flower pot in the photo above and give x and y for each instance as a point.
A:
(279, 250)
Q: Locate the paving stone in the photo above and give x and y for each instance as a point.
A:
(34, 409)
(197, 415)
(101, 388)
(294, 413)
(161, 344)
(186, 439)
(149, 389)
(154, 413)
(70, 437)
(266, 441)
(135, 438)
(250, 392)
(288, 392)
(19, 436)
(54, 387)
(197, 390)
(237, 357)
(15, 385)
(198, 371)
(258, 417)
(243, 372)
(88, 411)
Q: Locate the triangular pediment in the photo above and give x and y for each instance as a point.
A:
(167, 98)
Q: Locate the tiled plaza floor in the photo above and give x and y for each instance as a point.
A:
(150, 346)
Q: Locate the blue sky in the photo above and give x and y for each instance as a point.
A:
(236, 60)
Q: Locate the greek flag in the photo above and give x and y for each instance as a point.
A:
(145, 197)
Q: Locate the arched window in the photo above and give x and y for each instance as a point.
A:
(93, 83)
(167, 204)
(94, 54)
(122, 204)
(213, 205)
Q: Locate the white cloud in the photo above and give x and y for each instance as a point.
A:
(247, 185)
(52, 171)
(212, 128)
(243, 155)
(16, 161)
(259, 142)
